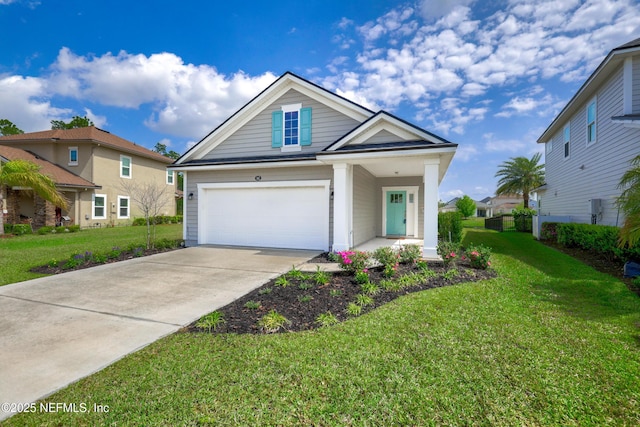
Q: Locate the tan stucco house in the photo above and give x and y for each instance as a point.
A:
(93, 169)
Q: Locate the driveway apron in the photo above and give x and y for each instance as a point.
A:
(57, 329)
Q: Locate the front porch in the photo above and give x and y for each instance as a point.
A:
(379, 242)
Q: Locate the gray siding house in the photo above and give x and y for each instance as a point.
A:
(589, 145)
(301, 167)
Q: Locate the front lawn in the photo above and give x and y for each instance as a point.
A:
(549, 342)
(19, 254)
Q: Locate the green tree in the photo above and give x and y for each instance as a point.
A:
(24, 173)
(76, 122)
(162, 149)
(466, 206)
(520, 175)
(8, 128)
(629, 203)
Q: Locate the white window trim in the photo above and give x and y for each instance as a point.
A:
(128, 199)
(172, 174)
(72, 163)
(288, 109)
(565, 141)
(130, 167)
(593, 101)
(93, 206)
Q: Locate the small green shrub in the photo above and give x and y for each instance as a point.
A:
(362, 277)
(333, 257)
(386, 256)
(353, 309)
(327, 319)
(450, 226)
(364, 300)
(252, 305)
(410, 254)
(282, 281)
(321, 277)
(8, 228)
(335, 293)
(21, 229)
(265, 291)
(273, 322)
(369, 288)
(61, 229)
(114, 253)
(450, 274)
(73, 228)
(211, 321)
(305, 298)
(390, 285)
(305, 286)
(45, 230)
(296, 274)
(99, 258)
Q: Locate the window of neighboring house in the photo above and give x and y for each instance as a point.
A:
(566, 137)
(123, 207)
(99, 206)
(169, 177)
(73, 156)
(591, 122)
(291, 127)
(125, 167)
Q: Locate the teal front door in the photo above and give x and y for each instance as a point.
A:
(396, 213)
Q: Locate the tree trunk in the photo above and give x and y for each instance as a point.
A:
(526, 200)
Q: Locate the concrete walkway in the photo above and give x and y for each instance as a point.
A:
(58, 329)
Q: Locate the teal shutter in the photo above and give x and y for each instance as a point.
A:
(305, 126)
(276, 129)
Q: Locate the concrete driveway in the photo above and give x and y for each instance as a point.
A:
(58, 329)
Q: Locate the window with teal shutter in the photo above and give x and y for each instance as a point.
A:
(276, 129)
(305, 126)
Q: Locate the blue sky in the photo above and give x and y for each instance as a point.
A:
(489, 76)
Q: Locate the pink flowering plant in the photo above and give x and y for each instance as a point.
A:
(479, 256)
(410, 254)
(353, 261)
(449, 252)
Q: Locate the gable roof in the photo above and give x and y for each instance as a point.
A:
(90, 133)
(251, 109)
(62, 177)
(610, 63)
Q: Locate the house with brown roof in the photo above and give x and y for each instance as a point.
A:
(94, 169)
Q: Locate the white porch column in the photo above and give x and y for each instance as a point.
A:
(431, 167)
(342, 206)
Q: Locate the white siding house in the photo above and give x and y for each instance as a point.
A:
(589, 145)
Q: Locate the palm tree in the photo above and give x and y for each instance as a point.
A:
(24, 173)
(629, 202)
(520, 175)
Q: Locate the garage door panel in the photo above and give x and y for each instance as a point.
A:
(281, 217)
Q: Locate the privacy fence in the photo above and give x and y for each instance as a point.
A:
(509, 222)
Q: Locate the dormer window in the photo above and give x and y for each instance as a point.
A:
(291, 127)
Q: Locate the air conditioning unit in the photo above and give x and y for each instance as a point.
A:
(595, 206)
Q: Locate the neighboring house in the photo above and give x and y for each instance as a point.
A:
(301, 167)
(91, 167)
(481, 207)
(590, 143)
(503, 204)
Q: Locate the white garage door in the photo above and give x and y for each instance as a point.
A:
(273, 215)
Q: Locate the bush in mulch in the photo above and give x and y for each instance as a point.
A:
(298, 301)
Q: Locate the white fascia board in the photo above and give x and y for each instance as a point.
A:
(343, 156)
(254, 165)
(628, 123)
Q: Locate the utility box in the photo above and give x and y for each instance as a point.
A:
(595, 206)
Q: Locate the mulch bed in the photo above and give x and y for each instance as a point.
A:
(124, 255)
(293, 302)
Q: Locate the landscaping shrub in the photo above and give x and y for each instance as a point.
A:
(601, 239)
(20, 229)
(549, 231)
(449, 252)
(388, 258)
(160, 219)
(45, 230)
(523, 219)
(8, 228)
(410, 254)
(352, 261)
(450, 226)
(478, 256)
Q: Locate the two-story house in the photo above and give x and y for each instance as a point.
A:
(94, 169)
(302, 167)
(590, 143)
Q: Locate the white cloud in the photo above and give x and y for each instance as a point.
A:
(434, 9)
(188, 100)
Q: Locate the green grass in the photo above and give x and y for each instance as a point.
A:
(550, 342)
(21, 253)
(473, 223)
